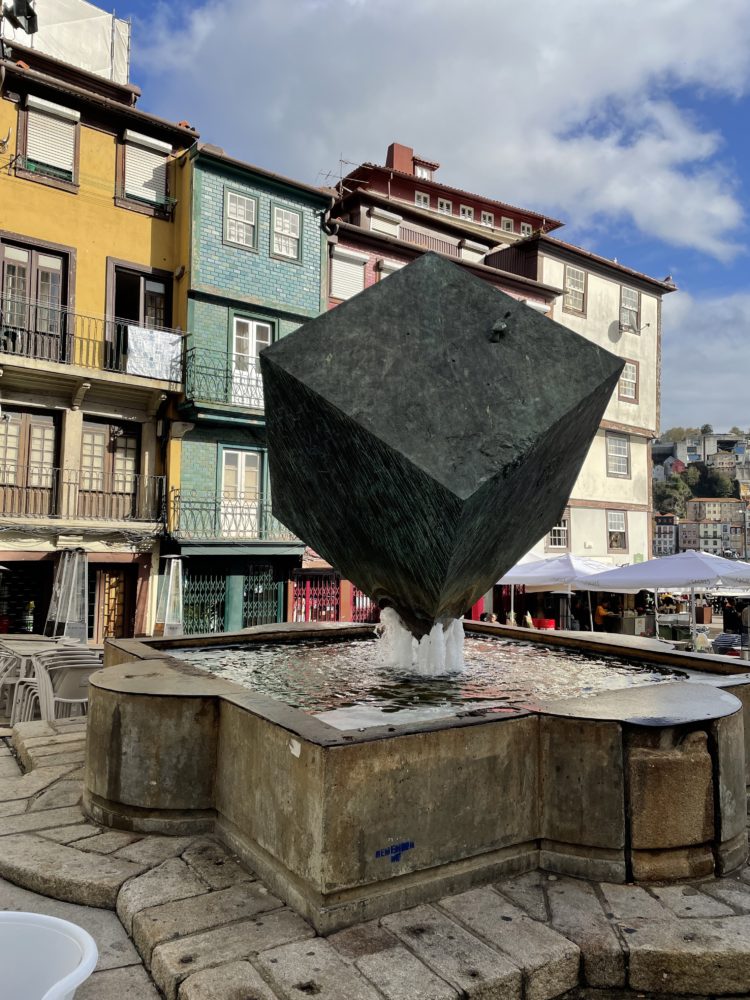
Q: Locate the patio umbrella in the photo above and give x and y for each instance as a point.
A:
(562, 571)
(689, 570)
(523, 564)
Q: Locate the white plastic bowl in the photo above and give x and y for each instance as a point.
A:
(43, 958)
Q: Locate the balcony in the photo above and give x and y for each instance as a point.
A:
(198, 516)
(224, 378)
(429, 242)
(39, 331)
(46, 492)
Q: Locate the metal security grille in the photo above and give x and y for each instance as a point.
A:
(317, 598)
(204, 596)
(363, 608)
(260, 603)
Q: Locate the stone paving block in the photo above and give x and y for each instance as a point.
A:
(30, 730)
(44, 819)
(115, 947)
(58, 759)
(314, 968)
(668, 865)
(132, 983)
(14, 807)
(71, 834)
(368, 938)
(399, 975)
(155, 849)
(59, 745)
(455, 955)
(200, 913)
(109, 842)
(173, 961)
(5, 732)
(577, 915)
(234, 981)
(548, 961)
(64, 793)
(527, 891)
(704, 957)
(63, 872)
(32, 783)
(729, 891)
(686, 901)
(53, 740)
(631, 902)
(9, 768)
(169, 881)
(211, 861)
(66, 725)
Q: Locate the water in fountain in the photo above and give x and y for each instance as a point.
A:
(439, 652)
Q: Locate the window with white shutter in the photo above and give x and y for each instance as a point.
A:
(347, 273)
(146, 162)
(575, 289)
(51, 132)
(287, 225)
(240, 215)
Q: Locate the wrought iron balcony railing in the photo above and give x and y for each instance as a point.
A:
(32, 328)
(200, 516)
(46, 491)
(223, 377)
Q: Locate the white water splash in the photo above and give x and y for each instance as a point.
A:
(436, 654)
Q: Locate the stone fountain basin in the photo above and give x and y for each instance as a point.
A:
(638, 784)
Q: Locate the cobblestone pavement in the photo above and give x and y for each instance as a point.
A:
(195, 925)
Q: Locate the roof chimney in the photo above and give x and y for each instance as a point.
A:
(400, 158)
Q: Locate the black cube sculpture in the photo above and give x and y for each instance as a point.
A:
(425, 434)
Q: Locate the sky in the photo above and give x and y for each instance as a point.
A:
(628, 121)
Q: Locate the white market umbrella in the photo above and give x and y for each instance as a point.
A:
(523, 564)
(567, 570)
(689, 570)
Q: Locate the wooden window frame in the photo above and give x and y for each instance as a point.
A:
(272, 230)
(42, 246)
(72, 186)
(228, 189)
(614, 549)
(422, 194)
(443, 211)
(466, 212)
(565, 307)
(127, 429)
(131, 204)
(629, 329)
(630, 399)
(609, 436)
(526, 229)
(144, 271)
(488, 215)
(507, 228)
(548, 546)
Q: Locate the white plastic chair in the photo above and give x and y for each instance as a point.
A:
(63, 689)
(43, 958)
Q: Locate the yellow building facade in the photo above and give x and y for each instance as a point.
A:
(92, 246)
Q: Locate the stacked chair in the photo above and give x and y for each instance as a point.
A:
(56, 686)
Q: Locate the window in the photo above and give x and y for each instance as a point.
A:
(145, 170)
(618, 455)
(421, 199)
(240, 213)
(558, 537)
(466, 212)
(507, 225)
(630, 302)
(33, 292)
(423, 172)
(347, 272)
(487, 219)
(386, 267)
(526, 229)
(107, 483)
(50, 141)
(28, 449)
(140, 298)
(240, 493)
(445, 207)
(287, 225)
(248, 340)
(575, 289)
(627, 388)
(617, 531)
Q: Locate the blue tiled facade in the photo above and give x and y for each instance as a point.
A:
(228, 282)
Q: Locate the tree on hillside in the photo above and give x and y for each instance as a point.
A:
(707, 429)
(735, 430)
(721, 485)
(671, 496)
(692, 476)
(678, 434)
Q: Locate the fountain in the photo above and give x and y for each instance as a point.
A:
(422, 437)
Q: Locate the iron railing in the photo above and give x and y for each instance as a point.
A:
(223, 377)
(32, 328)
(205, 515)
(429, 242)
(46, 491)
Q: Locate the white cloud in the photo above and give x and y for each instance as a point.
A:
(706, 360)
(567, 107)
